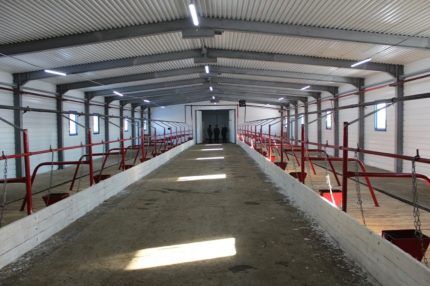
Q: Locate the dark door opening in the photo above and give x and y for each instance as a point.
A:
(215, 118)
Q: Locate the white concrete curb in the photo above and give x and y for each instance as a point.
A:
(23, 235)
(388, 264)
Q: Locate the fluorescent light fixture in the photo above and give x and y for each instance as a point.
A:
(213, 144)
(209, 158)
(213, 97)
(118, 93)
(182, 253)
(202, 177)
(215, 103)
(212, 149)
(163, 107)
(211, 88)
(281, 98)
(361, 62)
(193, 12)
(206, 69)
(305, 87)
(55, 72)
(147, 101)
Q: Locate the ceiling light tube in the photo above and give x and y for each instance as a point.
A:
(193, 12)
(118, 93)
(147, 101)
(305, 87)
(361, 62)
(55, 72)
(211, 88)
(206, 68)
(281, 98)
(213, 97)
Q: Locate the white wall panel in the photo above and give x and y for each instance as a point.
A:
(42, 127)
(349, 115)
(7, 144)
(74, 140)
(114, 131)
(312, 127)
(327, 135)
(379, 140)
(95, 108)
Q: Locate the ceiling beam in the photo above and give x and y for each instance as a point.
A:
(257, 85)
(209, 27)
(213, 71)
(272, 84)
(299, 59)
(211, 54)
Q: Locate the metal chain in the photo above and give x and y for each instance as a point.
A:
(3, 205)
(358, 188)
(416, 209)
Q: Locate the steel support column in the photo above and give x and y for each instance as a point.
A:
(336, 123)
(296, 122)
(306, 119)
(319, 119)
(17, 120)
(60, 125)
(361, 119)
(87, 116)
(288, 121)
(106, 120)
(399, 118)
(133, 124)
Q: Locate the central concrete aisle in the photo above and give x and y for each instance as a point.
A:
(232, 209)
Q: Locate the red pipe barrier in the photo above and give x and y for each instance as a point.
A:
(27, 173)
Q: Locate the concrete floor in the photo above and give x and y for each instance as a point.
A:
(275, 245)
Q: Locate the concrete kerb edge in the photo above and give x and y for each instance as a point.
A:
(406, 270)
(25, 234)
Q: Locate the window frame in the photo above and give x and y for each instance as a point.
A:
(98, 124)
(126, 125)
(375, 118)
(74, 122)
(328, 115)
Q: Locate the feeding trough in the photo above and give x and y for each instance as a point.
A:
(299, 175)
(282, 165)
(98, 178)
(52, 198)
(409, 241)
(334, 197)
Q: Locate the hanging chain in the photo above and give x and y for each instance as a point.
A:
(416, 209)
(358, 188)
(3, 205)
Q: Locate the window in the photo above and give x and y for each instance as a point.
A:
(73, 126)
(125, 125)
(96, 124)
(328, 120)
(302, 120)
(381, 117)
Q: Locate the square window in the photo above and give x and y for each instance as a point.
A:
(381, 117)
(73, 126)
(328, 120)
(96, 124)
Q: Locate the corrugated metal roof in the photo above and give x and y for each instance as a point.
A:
(132, 47)
(39, 19)
(148, 81)
(315, 47)
(161, 66)
(269, 78)
(262, 65)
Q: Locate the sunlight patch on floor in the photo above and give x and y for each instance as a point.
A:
(182, 253)
(201, 177)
